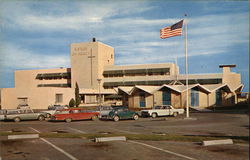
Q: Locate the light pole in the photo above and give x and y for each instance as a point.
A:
(99, 96)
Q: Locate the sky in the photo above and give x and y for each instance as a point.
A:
(37, 34)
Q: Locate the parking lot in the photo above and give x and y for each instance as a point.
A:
(224, 125)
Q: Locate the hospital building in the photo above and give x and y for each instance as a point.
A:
(136, 86)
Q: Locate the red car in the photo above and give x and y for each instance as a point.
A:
(74, 114)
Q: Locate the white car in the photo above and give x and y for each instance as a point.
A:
(2, 114)
(104, 111)
(163, 110)
(52, 110)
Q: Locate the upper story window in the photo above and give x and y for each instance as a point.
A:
(50, 76)
(137, 72)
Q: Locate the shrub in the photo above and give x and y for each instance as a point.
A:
(72, 102)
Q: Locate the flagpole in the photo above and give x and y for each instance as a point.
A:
(186, 56)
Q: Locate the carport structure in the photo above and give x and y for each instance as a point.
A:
(201, 96)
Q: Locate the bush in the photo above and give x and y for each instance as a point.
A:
(72, 102)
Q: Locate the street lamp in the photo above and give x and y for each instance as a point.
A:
(99, 97)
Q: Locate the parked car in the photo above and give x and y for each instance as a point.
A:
(23, 114)
(74, 114)
(163, 110)
(52, 109)
(122, 113)
(2, 113)
(104, 111)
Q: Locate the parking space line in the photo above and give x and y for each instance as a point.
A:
(54, 146)
(35, 130)
(77, 130)
(163, 150)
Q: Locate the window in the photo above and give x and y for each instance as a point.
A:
(218, 97)
(194, 97)
(22, 101)
(166, 97)
(142, 99)
(59, 98)
(167, 107)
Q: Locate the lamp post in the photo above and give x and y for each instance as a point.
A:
(99, 96)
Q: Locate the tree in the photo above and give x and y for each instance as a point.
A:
(72, 102)
(77, 96)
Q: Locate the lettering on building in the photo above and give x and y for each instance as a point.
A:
(80, 51)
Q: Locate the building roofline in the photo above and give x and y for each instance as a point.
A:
(197, 85)
(227, 65)
(168, 86)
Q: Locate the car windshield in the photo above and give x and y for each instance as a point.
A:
(56, 107)
(157, 107)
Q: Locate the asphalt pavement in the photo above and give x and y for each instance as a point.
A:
(213, 124)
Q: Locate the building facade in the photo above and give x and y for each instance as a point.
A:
(100, 80)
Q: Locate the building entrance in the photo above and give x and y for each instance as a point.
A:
(194, 97)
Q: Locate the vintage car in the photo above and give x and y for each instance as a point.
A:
(163, 110)
(122, 113)
(104, 111)
(2, 113)
(23, 114)
(74, 114)
(52, 109)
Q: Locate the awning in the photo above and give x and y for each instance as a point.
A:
(53, 75)
(135, 71)
(158, 70)
(113, 72)
(114, 96)
(111, 84)
(53, 85)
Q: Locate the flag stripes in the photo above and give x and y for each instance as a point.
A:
(174, 30)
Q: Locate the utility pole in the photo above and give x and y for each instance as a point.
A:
(99, 96)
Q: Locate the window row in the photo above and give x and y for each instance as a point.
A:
(54, 85)
(50, 76)
(137, 72)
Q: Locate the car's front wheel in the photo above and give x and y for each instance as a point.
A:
(136, 117)
(68, 120)
(116, 118)
(17, 119)
(41, 118)
(94, 118)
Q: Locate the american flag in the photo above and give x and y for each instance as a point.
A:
(174, 30)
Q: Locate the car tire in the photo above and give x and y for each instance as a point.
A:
(136, 117)
(175, 114)
(41, 118)
(17, 119)
(94, 118)
(116, 118)
(68, 120)
(48, 115)
(154, 115)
